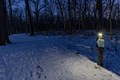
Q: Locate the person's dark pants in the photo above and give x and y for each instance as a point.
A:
(100, 56)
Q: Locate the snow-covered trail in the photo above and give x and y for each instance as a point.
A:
(46, 58)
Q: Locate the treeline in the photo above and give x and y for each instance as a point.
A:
(68, 16)
(61, 15)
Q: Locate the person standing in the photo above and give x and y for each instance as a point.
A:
(100, 45)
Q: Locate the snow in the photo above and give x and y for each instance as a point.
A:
(53, 58)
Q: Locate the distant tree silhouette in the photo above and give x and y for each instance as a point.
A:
(3, 23)
(29, 16)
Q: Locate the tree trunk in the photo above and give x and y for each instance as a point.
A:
(45, 12)
(69, 17)
(30, 17)
(74, 10)
(100, 15)
(100, 51)
(95, 18)
(36, 13)
(11, 16)
(3, 27)
(84, 14)
(110, 17)
(61, 12)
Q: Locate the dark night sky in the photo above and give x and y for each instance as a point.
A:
(21, 4)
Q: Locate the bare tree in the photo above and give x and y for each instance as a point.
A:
(74, 12)
(3, 28)
(84, 14)
(60, 7)
(69, 15)
(110, 16)
(29, 16)
(100, 15)
(10, 2)
(36, 12)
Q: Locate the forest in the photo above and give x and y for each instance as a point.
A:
(59, 39)
(57, 16)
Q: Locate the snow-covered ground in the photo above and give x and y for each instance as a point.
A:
(54, 58)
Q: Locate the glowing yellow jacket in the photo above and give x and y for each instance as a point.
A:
(100, 42)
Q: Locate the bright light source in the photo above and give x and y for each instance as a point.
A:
(100, 35)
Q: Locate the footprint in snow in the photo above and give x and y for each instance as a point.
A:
(39, 71)
(39, 68)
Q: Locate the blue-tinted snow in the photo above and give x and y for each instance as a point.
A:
(53, 58)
